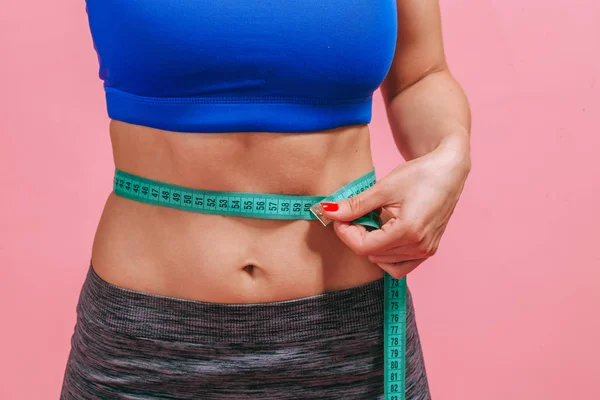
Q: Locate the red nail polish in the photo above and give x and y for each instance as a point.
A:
(330, 206)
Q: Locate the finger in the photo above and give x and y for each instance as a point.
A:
(351, 234)
(363, 242)
(425, 248)
(398, 271)
(354, 236)
(356, 206)
(404, 250)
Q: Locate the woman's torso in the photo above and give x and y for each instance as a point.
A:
(196, 68)
(231, 259)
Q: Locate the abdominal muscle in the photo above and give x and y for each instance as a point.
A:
(225, 259)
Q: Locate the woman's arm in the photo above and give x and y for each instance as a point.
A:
(430, 120)
(426, 107)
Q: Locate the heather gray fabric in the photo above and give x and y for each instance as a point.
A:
(134, 345)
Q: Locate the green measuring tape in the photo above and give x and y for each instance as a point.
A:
(288, 207)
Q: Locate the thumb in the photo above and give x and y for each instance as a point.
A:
(356, 206)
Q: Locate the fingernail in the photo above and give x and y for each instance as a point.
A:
(330, 206)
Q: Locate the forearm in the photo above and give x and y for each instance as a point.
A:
(431, 113)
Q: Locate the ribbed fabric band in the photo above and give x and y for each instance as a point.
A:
(138, 314)
(252, 114)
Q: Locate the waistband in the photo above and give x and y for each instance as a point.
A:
(347, 311)
(237, 114)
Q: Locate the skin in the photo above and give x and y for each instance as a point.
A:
(214, 258)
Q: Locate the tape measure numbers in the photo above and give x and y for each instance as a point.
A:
(288, 207)
(394, 337)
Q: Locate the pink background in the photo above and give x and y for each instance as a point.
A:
(508, 309)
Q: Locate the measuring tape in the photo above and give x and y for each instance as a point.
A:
(288, 207)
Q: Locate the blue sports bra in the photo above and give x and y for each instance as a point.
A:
(242, 65)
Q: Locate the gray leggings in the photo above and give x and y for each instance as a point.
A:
(134, 345)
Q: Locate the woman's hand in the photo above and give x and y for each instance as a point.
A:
(418, 197)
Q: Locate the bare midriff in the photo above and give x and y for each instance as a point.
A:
(225, 259)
